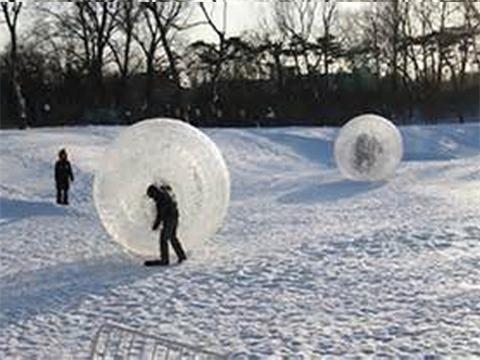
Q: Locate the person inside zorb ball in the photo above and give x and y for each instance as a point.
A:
(167, 213)
(162, 175)
(368, 148)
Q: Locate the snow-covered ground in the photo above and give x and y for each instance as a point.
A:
(307, 264)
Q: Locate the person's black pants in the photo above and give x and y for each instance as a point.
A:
(62, 194)
(169, 232)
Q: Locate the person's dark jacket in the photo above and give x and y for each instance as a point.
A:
(63, 173)
(166, 207)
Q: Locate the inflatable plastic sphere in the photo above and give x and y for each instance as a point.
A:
(161, 152)
(368, 148)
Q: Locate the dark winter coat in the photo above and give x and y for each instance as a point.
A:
(166, 207)
(63, 173)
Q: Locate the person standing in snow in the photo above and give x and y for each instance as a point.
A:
(167, 212)
(63, 177)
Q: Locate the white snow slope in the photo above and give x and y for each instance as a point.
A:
(307, 265)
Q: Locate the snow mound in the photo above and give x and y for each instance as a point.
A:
(161, 151)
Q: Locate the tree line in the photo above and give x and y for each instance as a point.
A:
(306, 62)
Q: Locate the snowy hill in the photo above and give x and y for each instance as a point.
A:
(307, 264)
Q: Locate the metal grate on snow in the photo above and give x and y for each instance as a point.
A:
(117, 342)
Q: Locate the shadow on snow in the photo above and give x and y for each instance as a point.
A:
(332, 191)
(15, 210)
(316, 150)
(26, 294)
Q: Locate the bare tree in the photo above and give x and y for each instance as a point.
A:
(391, 16)
(372, 34)
(460, 40)
(447, 38)
(219, 53)
(171, 17)
(310, 28)
(11, 12)
(147, 35)
(274, 51)
(90, 26)
(329, 16)
(427, 50)
(295, 21)
(98, 23)
(471, 11)
(121, 46)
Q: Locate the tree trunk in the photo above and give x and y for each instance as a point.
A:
(278, 66)
(170, 56)
(395, 38)
(11, 20)
(149, 84)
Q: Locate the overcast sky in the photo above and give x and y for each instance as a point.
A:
(242, 15)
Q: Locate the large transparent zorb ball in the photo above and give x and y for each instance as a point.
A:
(161, 152)
(368, 148)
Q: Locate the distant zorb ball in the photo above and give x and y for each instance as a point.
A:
(368, 148)
(161, 152)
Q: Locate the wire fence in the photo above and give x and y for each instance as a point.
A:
(118, 342)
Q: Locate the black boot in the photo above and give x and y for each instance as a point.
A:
(156, 263)
(179, 250)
